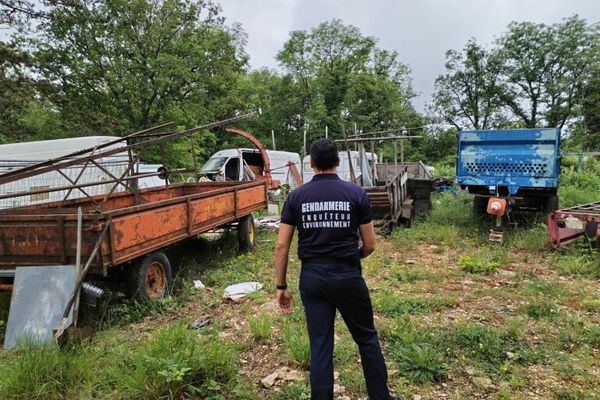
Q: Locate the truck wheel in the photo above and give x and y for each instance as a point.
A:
(150, 277)
(480, 205)
(246, 233)
(551, 203)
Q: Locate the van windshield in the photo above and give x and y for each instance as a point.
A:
(214, 164)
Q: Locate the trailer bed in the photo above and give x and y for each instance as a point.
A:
(138, 224)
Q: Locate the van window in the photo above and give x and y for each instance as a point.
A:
(214, 164)
(232, 169)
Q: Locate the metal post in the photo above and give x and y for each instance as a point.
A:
(373, 162)
(326, 132)
(273, 139)
(402, 148)
(78, 263)
(396, 154)
(303, 152)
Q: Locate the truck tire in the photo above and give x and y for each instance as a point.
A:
(480, 205)
(551, 203)
(150, 277)
(246, 233)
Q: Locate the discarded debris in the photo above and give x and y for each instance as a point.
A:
(200, 323)
(240, 290)
(271, 222)
(198, 284)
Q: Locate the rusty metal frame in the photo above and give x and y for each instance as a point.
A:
(146, 137)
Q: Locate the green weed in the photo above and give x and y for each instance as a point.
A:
(583, 264)
(297, 345)
(540, 309)
(545, 287)
(47, 373)
(260, 328)
(297, 391)
(533, 239)
(419, 363)
(477, 265)
(591, 305)
(174, 363)
(392, 305)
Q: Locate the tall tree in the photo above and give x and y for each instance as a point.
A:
(334, 66)
(466, 95)
(544, 68)
(16, 92)
(118, 65)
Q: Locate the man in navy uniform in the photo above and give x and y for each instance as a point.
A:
(330, 214)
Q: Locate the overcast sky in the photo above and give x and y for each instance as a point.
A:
(419, 30)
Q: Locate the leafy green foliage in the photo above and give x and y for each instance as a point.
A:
(534, 76)
(476, 265)
(120, 65)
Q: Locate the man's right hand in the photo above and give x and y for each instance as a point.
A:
(284, 300)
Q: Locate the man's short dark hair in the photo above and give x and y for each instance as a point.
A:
(324, 154)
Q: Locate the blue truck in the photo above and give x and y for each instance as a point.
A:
(520, 166)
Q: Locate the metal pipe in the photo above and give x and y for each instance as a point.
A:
(63, 321)
(82, 185)
(47, 166)
(378, 139)
(81, 152)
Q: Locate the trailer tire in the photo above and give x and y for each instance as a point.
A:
(246, 233)
(150, 277)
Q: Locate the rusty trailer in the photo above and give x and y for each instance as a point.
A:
(136, 229)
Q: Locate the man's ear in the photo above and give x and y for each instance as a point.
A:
(337, 163)
(312, 164)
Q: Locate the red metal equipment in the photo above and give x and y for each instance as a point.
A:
(567, 225)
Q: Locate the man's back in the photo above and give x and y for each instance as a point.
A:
(327, 213)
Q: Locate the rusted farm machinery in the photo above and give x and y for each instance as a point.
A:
(125, 231)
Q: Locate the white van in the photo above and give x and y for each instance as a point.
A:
(362, 177)
(246, 164)
(18, 155)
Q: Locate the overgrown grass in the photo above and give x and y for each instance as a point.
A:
(174, 363)
(392, 305)
(580, 263)
(260, 327)
(295, 339)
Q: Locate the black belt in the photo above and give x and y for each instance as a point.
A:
(349, 261)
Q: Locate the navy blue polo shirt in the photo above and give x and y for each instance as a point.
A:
(327, 212)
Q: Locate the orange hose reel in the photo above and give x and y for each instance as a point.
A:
(496, 206)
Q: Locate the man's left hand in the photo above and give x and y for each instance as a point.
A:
(285, 300)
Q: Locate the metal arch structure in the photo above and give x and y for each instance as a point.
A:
(89, 156)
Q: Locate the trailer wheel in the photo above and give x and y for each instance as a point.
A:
(150, 278)
(246, 233)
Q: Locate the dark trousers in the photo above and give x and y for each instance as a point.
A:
(325, 288)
